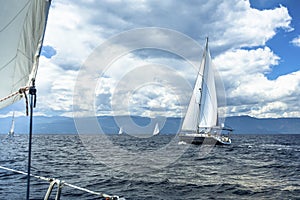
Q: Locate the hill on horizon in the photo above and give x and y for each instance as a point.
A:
(66, 125)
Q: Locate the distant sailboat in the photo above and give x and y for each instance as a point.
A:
(201, 124)
(12, 128)
(156, 129)
(121, 131)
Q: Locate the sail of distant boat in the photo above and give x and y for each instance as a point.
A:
(12, 128)
(201, 119)
(121, 131)
(156, 129)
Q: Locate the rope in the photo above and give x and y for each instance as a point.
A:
(21, 91)
(92, 192)
(106, 196)
(25, 173)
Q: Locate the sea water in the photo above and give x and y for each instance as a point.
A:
(253, 167)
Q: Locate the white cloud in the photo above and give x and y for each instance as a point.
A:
(155, 100)
(70, 35)
(296, 41)
(146, 87)
(229, 24)
(249, 92)
(55, 88)
(75, 28)
(245, 27)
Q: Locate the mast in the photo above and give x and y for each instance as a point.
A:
(202, 82)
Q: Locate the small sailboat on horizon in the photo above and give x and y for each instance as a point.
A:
(11, 132)
(201, 124)
(121, 131)
(156, 129)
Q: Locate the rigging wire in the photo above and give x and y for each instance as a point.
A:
(101, 194)
(32, 93)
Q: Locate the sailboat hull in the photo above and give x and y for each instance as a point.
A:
(11, 134)
(204, 139)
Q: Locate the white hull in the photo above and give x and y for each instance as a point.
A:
(204, 139)
(11, 134)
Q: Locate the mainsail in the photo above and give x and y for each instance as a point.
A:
(22, 26)
(203, 108)
(208, 105)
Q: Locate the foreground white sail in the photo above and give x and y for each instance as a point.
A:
(22, 25)
(200, 124)
(22, 28)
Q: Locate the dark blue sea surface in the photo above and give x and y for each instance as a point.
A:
(253, 167)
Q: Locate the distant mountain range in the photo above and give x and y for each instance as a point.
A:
(66, 125)
(251, 125)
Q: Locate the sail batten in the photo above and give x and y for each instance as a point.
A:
(22, 27)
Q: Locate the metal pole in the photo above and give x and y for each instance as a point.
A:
(32, 93)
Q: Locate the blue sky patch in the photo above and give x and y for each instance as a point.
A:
(281, 43)
(48, 51)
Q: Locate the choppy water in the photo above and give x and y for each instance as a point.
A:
(253, 167)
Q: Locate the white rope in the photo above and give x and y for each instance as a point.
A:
(89, 191)
(20, 91)
(20, 172)
(114, 197)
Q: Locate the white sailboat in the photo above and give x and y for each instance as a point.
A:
(12, 128)
(121, 131)
(156, 129)
(201, 124)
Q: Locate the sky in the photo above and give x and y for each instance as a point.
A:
(254, 46)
